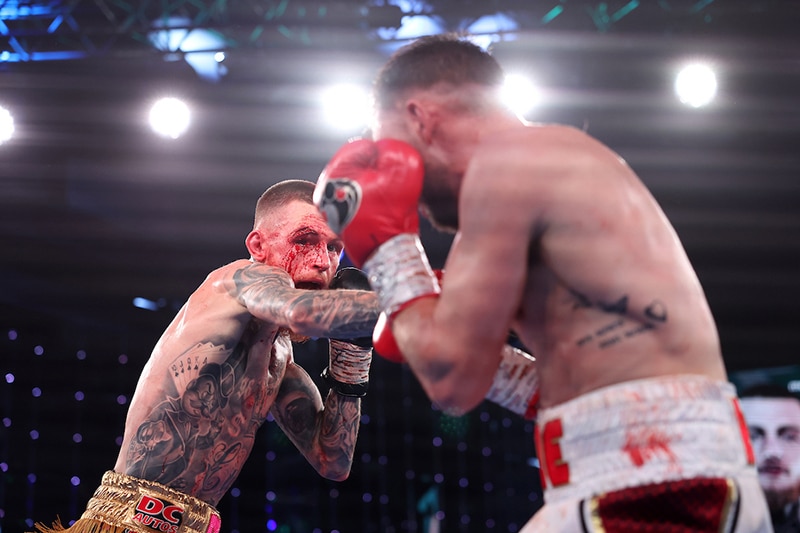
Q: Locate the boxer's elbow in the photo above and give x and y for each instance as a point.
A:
(454, 404)
(450, 389)
(336, 474)
(333, 470)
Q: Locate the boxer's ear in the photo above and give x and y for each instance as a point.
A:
(256, 246)
(421, 120)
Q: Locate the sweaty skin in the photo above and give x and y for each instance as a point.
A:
(558, 241)
(225, 362)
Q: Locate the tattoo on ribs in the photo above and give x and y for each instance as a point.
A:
(198, 439)
(619, 328)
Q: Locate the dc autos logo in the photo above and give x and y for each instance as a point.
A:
(158, 514)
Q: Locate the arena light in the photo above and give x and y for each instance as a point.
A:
(200, 47)
(170, 117)
(520, 93)
(346, 106)
(413, 27)
(696, 85)
(490, 29)
(6, 125)
(144, 303)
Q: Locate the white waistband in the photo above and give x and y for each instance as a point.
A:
(641, 432)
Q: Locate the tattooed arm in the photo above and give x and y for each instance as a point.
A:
(269, 294)
(324, 434)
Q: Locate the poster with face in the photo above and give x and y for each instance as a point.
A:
(770, 400)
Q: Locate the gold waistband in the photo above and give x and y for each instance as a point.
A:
(145, 506)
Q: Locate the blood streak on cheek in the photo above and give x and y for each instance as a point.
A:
(291, 259)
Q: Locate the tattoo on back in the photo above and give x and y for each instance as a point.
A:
(197, 439)
(622, 326)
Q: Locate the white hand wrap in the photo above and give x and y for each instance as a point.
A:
(399, 272)
(516, 383)
(349, 363)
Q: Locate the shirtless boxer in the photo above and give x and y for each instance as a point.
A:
(558, 241)
(225, 362)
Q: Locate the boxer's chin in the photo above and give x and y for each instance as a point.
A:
(294, 337)
(778, 500)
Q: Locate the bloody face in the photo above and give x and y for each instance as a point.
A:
(300, 242)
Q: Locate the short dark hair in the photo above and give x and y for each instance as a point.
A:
(282, 193)
(432, 59)
(767, 390)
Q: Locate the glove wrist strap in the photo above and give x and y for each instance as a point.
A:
(355, 390)
(348, 363)
(399, 272)
(516, 383)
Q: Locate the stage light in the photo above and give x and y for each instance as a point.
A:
(169, 117)
(6, 125)
(490, 29)
(696, 85)
(144, 303)
(201, 48)
(413, 27)
(346, 107)
(520, 94)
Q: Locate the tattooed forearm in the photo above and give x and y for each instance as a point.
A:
(339, 429)
(324, 433)
(271, 296)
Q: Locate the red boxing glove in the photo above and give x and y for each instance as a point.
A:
(383, 340)
(369, 193)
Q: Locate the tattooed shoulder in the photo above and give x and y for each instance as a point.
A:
(260, 273)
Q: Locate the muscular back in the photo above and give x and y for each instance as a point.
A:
(593, 277)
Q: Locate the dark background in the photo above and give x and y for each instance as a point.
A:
(95, 211)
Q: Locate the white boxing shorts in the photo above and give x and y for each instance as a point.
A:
(669, 454)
